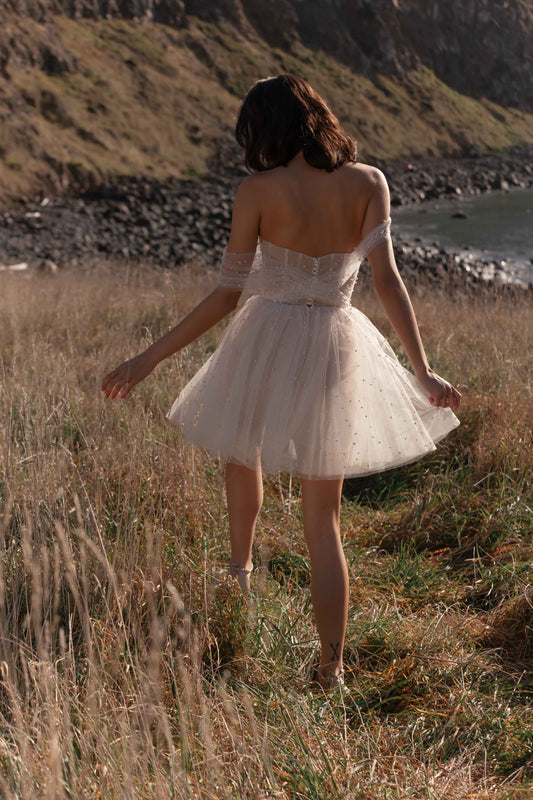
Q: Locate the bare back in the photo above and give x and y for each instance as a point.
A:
(314, 211)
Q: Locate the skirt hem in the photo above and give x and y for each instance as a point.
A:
(349, 473)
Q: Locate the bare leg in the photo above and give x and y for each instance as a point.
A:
(244, 490)
(329, 574)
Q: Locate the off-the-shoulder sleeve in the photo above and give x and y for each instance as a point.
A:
(379, 234)
(234, 269)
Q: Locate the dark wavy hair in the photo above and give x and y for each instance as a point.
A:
(283, 115)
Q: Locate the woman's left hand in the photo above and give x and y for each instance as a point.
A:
(120, 381)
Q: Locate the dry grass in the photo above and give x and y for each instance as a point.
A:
(132, 668)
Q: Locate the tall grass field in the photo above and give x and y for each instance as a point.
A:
(131, 666)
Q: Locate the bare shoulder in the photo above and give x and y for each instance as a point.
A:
(366, 177)
(373, 190)
(245, 217)
(249, 187)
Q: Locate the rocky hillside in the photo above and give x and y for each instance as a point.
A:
(483, 48)
(93, 88)
(479, 47)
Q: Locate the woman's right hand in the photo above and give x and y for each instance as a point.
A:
(121, 380)
(441, 393)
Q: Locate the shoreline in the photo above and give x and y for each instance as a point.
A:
(424, 180)
(450, 179)
(177, 221)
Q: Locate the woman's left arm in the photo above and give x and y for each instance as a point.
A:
(396, 301)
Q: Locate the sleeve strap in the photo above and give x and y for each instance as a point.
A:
(234, 269)
(379, 234)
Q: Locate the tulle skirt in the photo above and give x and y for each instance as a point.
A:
(317, 392)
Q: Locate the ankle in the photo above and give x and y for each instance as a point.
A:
(238, 566)
(241, 573)
(330, 678)
(331, 668)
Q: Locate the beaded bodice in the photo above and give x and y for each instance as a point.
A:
(287, 276)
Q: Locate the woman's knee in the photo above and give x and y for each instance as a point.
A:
(321, 514)
(321, 501)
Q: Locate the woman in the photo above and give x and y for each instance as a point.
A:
(302, 381)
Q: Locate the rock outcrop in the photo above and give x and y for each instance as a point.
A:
(483, 48)
(479, 47)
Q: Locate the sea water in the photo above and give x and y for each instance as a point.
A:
(496, 226)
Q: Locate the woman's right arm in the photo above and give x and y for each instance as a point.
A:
(222, 301)
(121, 380)
(396, 301)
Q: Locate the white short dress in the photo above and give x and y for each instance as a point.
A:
(302, 381)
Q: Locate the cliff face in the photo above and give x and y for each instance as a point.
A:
(479, 47)
(483, 48)
(168, 12)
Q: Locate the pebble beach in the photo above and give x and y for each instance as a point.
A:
(178, 221)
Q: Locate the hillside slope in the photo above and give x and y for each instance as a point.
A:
(479, 47)
(84, 97)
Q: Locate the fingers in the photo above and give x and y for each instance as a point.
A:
(450, 397)
(127, 388)
(120, 389)
(456, 398)
(117, 389)
(113, 388)
(118, 382)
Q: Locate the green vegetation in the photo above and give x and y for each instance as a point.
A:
(146, 99)
(132, 666)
